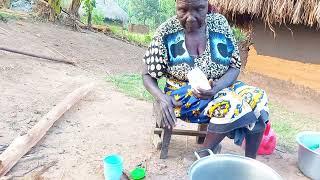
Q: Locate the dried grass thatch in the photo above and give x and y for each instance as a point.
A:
(306, 12)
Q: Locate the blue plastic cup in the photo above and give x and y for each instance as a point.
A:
(113, 167)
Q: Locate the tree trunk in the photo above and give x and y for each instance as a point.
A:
(43, 9)
(74, 13)
(244, 46)
(74, 8)
(244, 53)
(89, 20)
(52, 17)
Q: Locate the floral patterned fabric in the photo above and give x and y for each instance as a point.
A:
(234, 107)
(168, 56)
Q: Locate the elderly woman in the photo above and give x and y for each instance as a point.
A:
(197, 39)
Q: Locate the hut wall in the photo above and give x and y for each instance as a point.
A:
(302, 44)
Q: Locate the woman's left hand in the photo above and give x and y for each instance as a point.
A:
(206, 94)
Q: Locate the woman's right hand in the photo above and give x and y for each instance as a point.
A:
(167, 105)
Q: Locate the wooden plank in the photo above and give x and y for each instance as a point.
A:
(182, 132)
(22, 144)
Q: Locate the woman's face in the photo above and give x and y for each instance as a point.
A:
(192, 13)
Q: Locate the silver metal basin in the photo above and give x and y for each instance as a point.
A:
(230, 167)
(308, 160)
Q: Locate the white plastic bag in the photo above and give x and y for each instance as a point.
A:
(197, 79)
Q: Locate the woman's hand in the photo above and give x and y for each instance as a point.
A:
(206, 94)
(167, 105)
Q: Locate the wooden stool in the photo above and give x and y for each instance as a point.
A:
(162, 135)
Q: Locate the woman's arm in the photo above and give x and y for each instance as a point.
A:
(151, 84)
(228, 79)
(167, 103)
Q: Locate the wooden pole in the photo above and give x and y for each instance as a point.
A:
(37, 56)
(22, 144)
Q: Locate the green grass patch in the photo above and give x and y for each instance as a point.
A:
(97, 18)
(132, 85)
(5, 17)
(142, 39)
(145, 39)
(238, 34)
(288, 124)
(285, 123)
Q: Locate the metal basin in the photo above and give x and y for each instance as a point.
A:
(230, 167)
(308, 160)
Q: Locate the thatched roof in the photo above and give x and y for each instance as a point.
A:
(306, 12)
(110, 10)
(114, 11)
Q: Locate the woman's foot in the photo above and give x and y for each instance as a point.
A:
(204, 151)
(191, 158)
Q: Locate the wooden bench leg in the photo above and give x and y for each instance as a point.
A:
(158, 126)
(156, 139)
(201, 127)
(166, 133)
(166, 137)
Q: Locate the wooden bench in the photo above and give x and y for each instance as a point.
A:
(162, 135)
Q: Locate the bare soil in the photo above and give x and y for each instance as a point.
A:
(106, 121)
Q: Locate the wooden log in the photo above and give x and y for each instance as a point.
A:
(182, 132)
(22, 144)
(37, 56)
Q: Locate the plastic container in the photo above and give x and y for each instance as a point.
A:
(138, 173)
(308, 156)
(113, 167)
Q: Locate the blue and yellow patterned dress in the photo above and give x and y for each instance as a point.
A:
(235, 107)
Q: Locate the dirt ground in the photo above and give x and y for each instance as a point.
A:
(105, 121)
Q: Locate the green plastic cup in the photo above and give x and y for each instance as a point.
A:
(138, 173)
